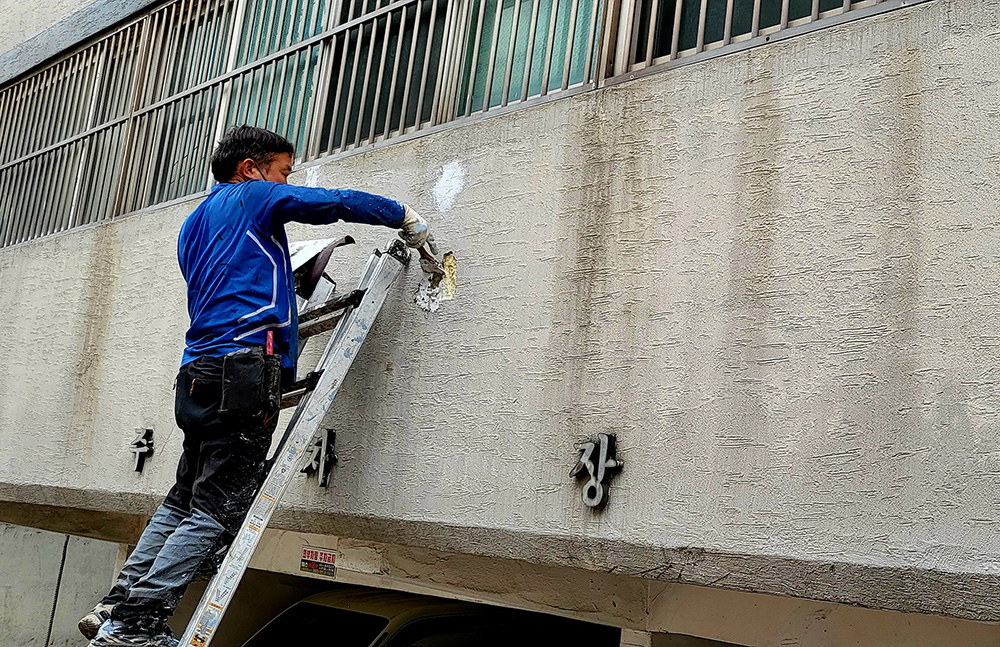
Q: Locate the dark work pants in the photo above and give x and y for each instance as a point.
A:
(220, 469)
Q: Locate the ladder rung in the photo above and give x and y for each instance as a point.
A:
(299, 388)
(317, 326)
(352, 299)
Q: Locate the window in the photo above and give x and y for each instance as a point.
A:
(277, 94)
(172, 130)
(384, 72)
(270, 26)
(64, 128)
(525, 48)
(130, 119)
(396, 69)
(668, 29)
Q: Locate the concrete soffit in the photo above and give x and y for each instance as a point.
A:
(964, 595)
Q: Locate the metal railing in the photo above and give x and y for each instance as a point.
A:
(664, 33)
(130, 120)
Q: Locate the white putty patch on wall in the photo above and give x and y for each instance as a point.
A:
(312, 176)
(428, 298)
(449, 185)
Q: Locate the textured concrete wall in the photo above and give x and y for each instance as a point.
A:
(772, 274)
(30, 582)
(33, 32)
(25, 20)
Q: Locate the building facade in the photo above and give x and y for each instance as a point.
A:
(752, 239)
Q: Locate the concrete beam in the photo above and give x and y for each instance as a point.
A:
(912, 590)
(106, 525)
(652, 614)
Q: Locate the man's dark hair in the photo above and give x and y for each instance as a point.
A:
(243, 142)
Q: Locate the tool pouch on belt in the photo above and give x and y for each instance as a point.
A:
(251, 382)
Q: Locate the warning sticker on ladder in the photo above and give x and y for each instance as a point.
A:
(318, 561)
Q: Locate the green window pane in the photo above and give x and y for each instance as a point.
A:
(537, 67)
(770, 13)
(520, 57)
(559, 34)
(260, 29)
(715, 21)
(581, 39)
(799, 9)
(521, 64)
(664, 34)
(395, 117)
(470, 48)
(500, 65)
(272, 25)
(434, 62)
(479, 84)
(689, 25)
(393, 44)
(742, 17)
(360, 108)
(424, 36)
(298, 118)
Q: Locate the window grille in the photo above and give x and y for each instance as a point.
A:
(662, 32)
(130, 119)
(63, 129)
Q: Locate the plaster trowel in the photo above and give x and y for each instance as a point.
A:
(432, 266)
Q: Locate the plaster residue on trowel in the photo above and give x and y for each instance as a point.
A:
(437, 288)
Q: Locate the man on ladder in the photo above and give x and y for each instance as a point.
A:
(233, 254)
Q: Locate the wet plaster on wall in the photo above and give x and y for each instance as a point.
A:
(772, 274)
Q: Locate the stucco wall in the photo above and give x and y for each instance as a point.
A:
(25, 20)
(33, 32)
(772, 274)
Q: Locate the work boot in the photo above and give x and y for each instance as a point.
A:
(90, 623)
(118, 633)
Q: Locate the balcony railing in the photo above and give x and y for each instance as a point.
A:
(130, 119)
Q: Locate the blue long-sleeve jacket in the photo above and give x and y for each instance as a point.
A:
(233, 254)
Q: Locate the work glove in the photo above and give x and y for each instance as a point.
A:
(414, 231)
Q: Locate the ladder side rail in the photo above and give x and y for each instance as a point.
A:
(345, 322)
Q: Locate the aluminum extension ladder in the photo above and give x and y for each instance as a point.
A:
(358, 315)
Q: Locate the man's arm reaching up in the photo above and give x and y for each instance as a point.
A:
(317, 206)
